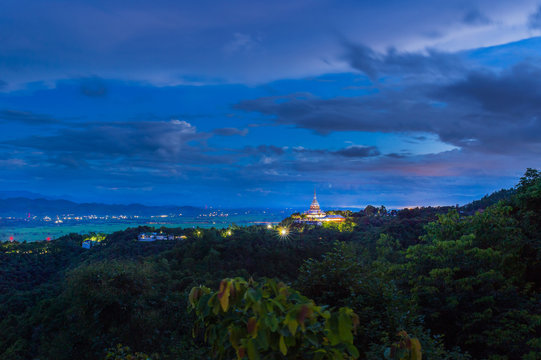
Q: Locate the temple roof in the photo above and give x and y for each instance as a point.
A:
(315, 204)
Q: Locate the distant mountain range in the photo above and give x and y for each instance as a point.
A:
(21, 203)
(28, 195)
(21, 206)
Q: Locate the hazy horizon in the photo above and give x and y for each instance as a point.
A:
(294, 207)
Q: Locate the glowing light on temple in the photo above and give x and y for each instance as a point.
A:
(317, 216)
(315, 211)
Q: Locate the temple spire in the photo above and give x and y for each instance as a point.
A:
(315, 204)
(316, 216)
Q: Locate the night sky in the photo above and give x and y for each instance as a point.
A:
(255, 103)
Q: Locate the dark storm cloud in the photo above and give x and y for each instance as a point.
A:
(480, 109)
(168, 41)
(319, 166)
(501, 111)
(391, 112)
(393, 62)
(534, 21)
(475, 17)
(263, 150)
(230, 131)
(26, 117)
(302, 150)
(353, 151)
(396, 155)
(69, 161)
(516, 91)
(93, 87)
(356, 151)
(140, 141)
(270, 164)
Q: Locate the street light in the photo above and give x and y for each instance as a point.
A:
(283, 232)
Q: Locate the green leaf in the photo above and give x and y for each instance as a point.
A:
(344, 327)
(312, 338)
(353, 351)
(252, 352)
(292, 325)
(283, 347)
(415, 349)
(262, 340)
(234, 337)
(337, 355)
(194, 296)
(251, 326)
(245, 320)
(272, 322)
(223, 294)
(277, 304)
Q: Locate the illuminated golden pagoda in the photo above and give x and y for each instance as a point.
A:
(315, 211)
(316, 216)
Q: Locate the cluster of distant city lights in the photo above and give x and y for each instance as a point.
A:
(66, 217)
(12, 239)
(61, 218)
(283, 233)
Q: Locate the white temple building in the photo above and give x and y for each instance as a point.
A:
(317, 216)
(315, 212)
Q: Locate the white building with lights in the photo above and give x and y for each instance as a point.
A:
(315, 212)
(317, 216)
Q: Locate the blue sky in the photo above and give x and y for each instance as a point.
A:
(253, 103)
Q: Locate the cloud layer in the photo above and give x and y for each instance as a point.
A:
(479, 110)
(175, 42)
(250, 102)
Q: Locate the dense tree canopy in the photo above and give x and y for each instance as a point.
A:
(463, 282)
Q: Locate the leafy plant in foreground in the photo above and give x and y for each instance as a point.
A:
(406, 348)
(270, 320)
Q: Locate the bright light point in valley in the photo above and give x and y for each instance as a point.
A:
(283, 232)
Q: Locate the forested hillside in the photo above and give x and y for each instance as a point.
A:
(463, 286)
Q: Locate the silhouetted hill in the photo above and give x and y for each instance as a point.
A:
(23, 194)
(21, 206)
(487, 200)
